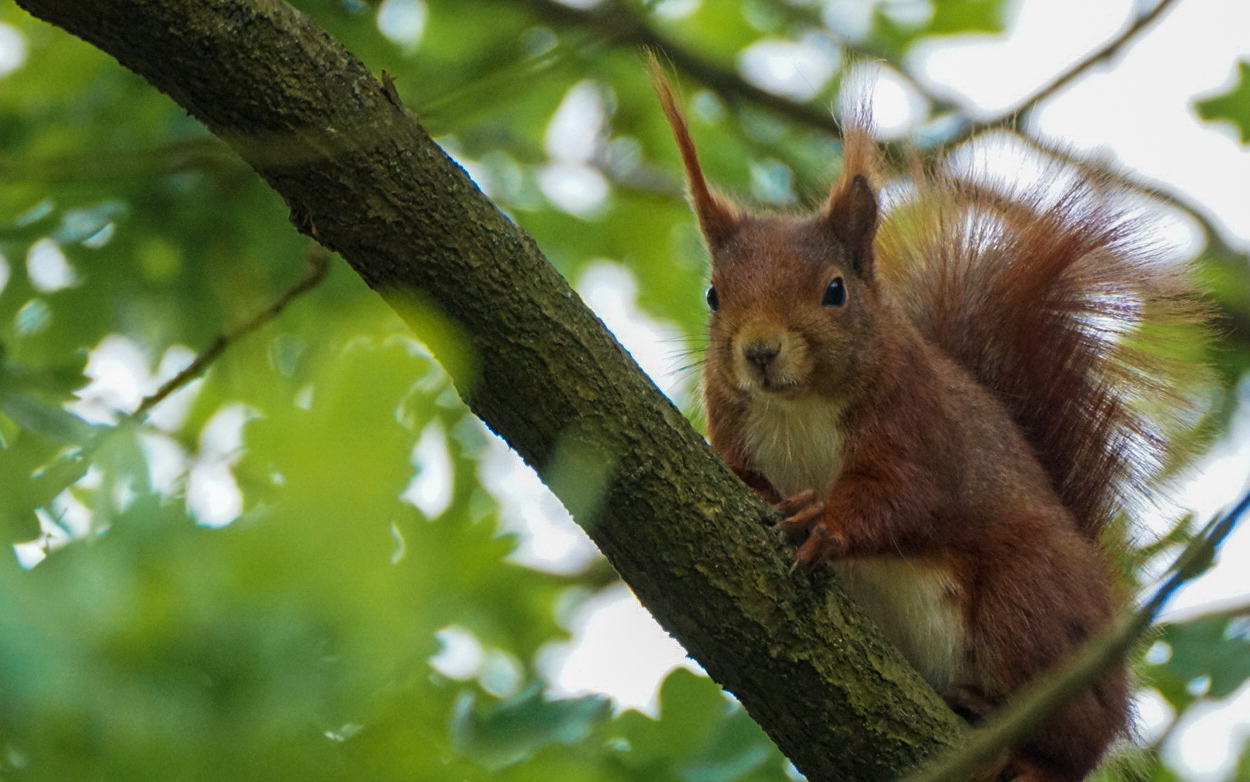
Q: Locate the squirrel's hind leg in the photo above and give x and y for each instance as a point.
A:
(969, 703)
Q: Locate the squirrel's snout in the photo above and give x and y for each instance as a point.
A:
(769, 362)
(760, 354)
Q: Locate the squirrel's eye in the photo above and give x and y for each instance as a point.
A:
(835, 294)
(713, 300)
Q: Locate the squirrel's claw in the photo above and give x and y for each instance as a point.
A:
(822, 545)
(801, 512)
(804, 526)
(797, 503)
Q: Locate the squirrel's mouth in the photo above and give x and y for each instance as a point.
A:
(776, 386)
(772, 380)
(770, 384)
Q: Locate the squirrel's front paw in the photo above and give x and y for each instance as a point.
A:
(804, 526)
(822, 545)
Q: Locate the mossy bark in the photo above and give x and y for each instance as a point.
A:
(360, 175)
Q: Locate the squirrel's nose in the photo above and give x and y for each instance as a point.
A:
(760, 354)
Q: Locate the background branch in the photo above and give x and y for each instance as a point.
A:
(314, 273)
(617, 25)
(1104, 53)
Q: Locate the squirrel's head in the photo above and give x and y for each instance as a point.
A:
(793, 300)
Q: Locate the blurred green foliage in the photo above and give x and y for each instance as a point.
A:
(1233, 106)
(154, 642)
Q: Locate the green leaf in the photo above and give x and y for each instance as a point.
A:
(1214, 649)
(55, 423)
(509, 732)
(896, 28)
(699, 736)
(17, 526)
(966, 16)
(1242, 772)
(738, 750)
(1232, 106)
(690, 707)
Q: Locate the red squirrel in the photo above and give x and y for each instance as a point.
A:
(948, 404)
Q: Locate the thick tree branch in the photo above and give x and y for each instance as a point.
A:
(361, 175)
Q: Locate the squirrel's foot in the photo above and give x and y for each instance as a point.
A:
(822, 545)
(804, 525)
(969, 703)
(799, 513)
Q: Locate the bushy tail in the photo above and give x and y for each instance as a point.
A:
(1055, 296)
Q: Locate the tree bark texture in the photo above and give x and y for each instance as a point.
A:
(360, 175)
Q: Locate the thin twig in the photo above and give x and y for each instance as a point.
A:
(72, 468)
(318, 265)
(618, 25)
(1105, 52)
(809, 17)
(199, 153)
(1043, 697)
(1221, 609)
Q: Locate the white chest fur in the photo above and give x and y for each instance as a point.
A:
(918, 607)
(798, 445)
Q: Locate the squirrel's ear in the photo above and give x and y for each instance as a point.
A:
(851, 215)
(718, 218)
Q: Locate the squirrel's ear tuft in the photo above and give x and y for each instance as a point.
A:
(718, 218)
(851, 215)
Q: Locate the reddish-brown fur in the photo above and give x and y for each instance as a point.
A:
(982, 383)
